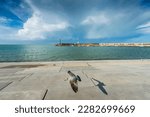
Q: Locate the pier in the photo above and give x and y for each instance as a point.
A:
(105, 44)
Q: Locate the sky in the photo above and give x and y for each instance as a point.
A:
(83, 21)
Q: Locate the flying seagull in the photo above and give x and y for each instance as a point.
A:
(73, 80)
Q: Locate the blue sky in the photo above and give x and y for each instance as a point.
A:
(47, 21)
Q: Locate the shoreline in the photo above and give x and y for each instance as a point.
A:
(75, 61)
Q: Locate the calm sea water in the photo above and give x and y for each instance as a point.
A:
(10, 53)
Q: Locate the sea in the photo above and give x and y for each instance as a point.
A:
(28, 53)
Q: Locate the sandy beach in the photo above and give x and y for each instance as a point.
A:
(101, 80)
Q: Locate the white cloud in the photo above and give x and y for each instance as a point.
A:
(144, 25)
(7, 33)
(107, 24)
(95, 23)
(4, 20)
(144, 28)
(41, 24)
(98, 20)
(37, 27)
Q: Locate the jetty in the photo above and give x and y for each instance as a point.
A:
(105, 44)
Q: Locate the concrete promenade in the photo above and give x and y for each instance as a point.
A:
(101, 80)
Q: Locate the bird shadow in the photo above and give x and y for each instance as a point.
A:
(101, 86)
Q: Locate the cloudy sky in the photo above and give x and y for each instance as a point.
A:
(47, 21)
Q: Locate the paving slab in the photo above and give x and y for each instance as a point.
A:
(14, 77)
(23, 95)
(129, 92)
(4, 84)
(74, 64)
(76, 68)
(10, 71)
(42, 69)
(84, 93)
(38, 81)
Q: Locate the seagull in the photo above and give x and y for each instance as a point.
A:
(73, 80)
